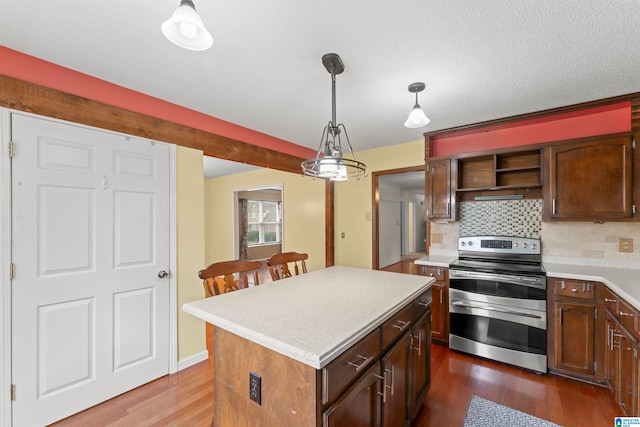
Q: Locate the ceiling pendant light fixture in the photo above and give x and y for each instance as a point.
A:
(185, 28)
(330, 162)
(416, 118)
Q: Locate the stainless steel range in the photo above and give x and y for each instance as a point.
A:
(498, 300)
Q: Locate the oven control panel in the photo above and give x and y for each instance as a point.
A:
(499, 244)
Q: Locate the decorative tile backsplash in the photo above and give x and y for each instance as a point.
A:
(522, 218)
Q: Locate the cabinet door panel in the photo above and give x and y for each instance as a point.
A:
(575, 334)
(439, 311)
(590, 180)
(627, 370)
(359, 406)
(439, 190)
(395, 370)
(421, 363)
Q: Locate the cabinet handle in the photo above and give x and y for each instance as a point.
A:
(384, 386)
(441, 298)
(622, 313)
(553, 206)
(393, 378)
(575, 291)
(423, 304)
(404, 325)
(419, 349)
(365, 362)
(438, 272)
(562, 284)
(610, 300)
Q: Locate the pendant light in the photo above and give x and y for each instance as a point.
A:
(416, 118)
(185, 28)
(330, 162)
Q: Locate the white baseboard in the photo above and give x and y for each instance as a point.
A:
(192, 360)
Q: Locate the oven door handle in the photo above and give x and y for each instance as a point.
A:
(516, 280)
(499, 310)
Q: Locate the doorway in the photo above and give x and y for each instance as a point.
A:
(399, 216)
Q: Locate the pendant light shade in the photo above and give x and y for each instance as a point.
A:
(330, 163)
(417, 118)
(185, 28)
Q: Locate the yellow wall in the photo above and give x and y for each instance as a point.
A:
(353, 201)
(303, 213)
(190, 247)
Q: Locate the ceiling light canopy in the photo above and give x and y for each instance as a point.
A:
(330, 162)
(185, 28)
(416, 118)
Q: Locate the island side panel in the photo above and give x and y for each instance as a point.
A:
(289, 388)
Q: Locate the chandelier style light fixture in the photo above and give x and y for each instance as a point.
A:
(185, 28)
(416, 118)
(330, 162)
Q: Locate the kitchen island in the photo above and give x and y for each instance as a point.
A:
(323, 348)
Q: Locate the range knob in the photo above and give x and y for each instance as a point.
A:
(524, 245)
(463, 244)
(470, 243)
(515, 244)
(533, 246)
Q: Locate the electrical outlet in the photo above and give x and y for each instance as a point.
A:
(626, 244)
(255, 388)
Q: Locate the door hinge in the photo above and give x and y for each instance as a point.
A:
(13, 392)
(11, 149)
(11, 271)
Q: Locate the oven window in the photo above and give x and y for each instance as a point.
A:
(497, 288)
(499, 333)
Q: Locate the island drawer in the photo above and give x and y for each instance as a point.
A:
(396, 326)
(627, 315)
(574, 288)
(610, 300)
(337, 375)
(421, 304)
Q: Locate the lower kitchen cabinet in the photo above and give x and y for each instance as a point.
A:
(360, 405)
(420, 353)
(391, 391)
(621, 353)
(394, 378)
(573, 349)
(439, 302)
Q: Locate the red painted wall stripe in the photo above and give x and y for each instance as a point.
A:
(576, 124)
(34, 70)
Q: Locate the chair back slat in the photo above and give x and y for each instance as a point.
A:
(279, 264)
(228, 276)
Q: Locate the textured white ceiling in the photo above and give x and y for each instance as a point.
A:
(480, 60)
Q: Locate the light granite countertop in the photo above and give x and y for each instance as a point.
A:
(314, 317)
(436, 260)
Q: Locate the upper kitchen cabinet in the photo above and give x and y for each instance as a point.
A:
(501, 171)
(590, 180)
(440, 195)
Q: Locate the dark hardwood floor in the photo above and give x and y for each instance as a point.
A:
(186, 398)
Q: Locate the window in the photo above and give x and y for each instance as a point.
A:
(265, 222)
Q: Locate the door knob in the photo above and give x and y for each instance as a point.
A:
(162, 274)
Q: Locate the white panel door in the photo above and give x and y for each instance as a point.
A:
(90, 229)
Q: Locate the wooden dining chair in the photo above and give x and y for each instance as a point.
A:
(228, 276)
(279, 264)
